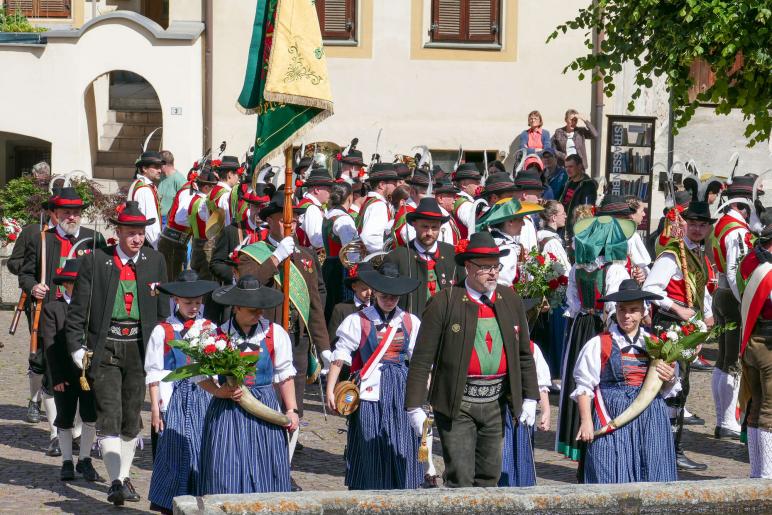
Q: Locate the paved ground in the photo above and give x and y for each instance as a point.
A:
(29, 480)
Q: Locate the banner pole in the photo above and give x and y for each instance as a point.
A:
(288, 183)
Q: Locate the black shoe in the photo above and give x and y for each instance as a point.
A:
(694, 420)
(685, 464)
(294, 486)
(429, 481)
(701, 364)
(33, 412)
(86, 469)
(722, 432)
(68, 471)
(128, 491)
(115, 493)
(53, 447)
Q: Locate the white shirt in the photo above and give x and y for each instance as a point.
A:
(224, 202)
(343, 227)
(639, 255)
(543, 375)
(63, 234)
(154, 361)
(149, 208)
(283, 368)
(349, 336)
(588, 366)
(375, 223)
(664, 269)
(509, 262)
(554, 246)
(184, 198)
(465, 214)
(125, 257)
(527, 237)
(735, 251)
(311, 221)
(570, 145)
(615, 274)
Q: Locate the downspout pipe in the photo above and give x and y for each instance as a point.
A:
(208, 70)
(596, 107)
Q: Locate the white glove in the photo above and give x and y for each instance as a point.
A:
(528, 415)
(417, 417)
(326, 360)
(77, 357)
(284, 249)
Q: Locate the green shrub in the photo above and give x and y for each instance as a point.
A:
(16, 22)
(21, 199)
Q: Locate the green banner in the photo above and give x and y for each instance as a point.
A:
(286, 81)
(299, 296)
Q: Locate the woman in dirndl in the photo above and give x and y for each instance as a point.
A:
(609, 373)
(241, 453)
(600, 246)
(177, 409)
(338, 229)
(376, 342)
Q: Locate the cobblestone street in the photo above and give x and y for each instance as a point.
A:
(30, 481)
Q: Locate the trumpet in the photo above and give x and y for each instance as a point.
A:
(352, 253)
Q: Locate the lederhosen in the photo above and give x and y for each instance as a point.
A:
(119, 379)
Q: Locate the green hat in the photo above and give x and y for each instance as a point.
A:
(602, 236)
(507, 209)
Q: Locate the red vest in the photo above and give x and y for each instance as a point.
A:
(747, 266)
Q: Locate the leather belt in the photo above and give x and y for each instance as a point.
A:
(175, 235)
(478, 391)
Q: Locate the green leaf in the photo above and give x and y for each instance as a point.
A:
(186, 372)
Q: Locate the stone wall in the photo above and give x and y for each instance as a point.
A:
(712, 496)
(9, 283)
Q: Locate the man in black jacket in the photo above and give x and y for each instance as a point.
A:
(113, 311)
(424, 257)
(580, 189)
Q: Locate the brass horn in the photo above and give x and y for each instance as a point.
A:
(352, 253)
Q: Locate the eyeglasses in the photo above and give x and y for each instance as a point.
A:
(488, 269)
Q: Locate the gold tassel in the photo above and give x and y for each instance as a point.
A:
(423, 450)
(86, 362)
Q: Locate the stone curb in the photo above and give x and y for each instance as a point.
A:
(713, 496)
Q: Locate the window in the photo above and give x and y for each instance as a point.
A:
(39, 8)
(337, 19)
(466, 21)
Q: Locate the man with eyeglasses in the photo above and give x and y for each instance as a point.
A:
(683, 300)
(474, 342)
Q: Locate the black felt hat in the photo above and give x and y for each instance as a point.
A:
(498, 183)
(353, 156)
(188, 286)
(46, 204)
(444, 185)
(698, 210)
(529, 180)
(389, 281)
(276, 205)
(128, 214)
(467, 171)
(229, 163)
(427, 209)
(741, 187)
(614, 205)
(479, 245)
(683, 197)
(383, 172)
(248, 293)
(148, 158)
(67, 198)
(629, 291)
(207, 176)
(766, 233)
(68, 273)
(352, 275)
(403, 171)
(419, 178)
(319, 177)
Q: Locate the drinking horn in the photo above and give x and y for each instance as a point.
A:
(256, 408)
(649, 390)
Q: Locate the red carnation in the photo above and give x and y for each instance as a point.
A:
(353, 271)
(461, 246)
(663, 335)
(298, 183)
(563, 280)
(553, 284)
(12, 237)
(540, 259)
(361, 172)
(235, 256)
(111, 241)
(216, 163)
(687, 330)
(478, 191)
(338, 156)
(552, 256)
(210, 349)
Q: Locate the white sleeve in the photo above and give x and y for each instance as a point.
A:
(283, 368)
(348, 339)
(225, 204)
(148, 207)
(735, 247)
(407, 233)
(614, 277)
(672, 389)
(528, 236)
(465, 214)
(587, 369)
(663, 270)
(509, 267)
(345, 229)
(543, 375)
(375, 217)
(154, 356)
(572, 295)
(555, 247)
(312, 226)
(707, 308)
(413, 334)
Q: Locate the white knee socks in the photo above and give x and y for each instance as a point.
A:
(35, 384)
(765, 454)
(111, 456)
(753, 452)
(726, 387)
(429, 465)
(715, 379)
(65, 444)
(50, 407)
(128, 446)
(87, 435)
(77, 424)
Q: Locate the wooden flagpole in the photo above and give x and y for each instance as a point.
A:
(288, 183)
